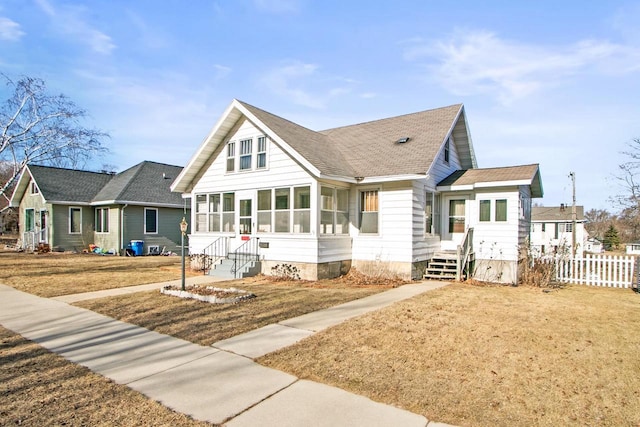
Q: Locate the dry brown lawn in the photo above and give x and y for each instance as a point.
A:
(39, 388)
(55, 274)
(477, 356)
(204, 323)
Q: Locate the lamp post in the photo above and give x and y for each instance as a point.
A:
(183, 231)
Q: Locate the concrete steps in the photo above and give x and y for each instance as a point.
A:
(223, 269)
(442, 266)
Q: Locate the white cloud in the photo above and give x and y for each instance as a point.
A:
(10, 30)
(68, 21)
(480, 62)
(294, 80)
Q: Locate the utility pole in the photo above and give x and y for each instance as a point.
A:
(572, 175)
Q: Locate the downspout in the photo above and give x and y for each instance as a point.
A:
(122, 228)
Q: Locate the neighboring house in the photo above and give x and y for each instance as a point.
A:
(8, 220)
(593, 246)
(72, 209)
(552, 230)
(633, 249)
(383, 196)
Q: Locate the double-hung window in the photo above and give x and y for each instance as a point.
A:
(75, 220)
(369, 212)
(246, 151)
(261, 157)
(102, 220)
(501, 210)
(485, 210)
(231, 157)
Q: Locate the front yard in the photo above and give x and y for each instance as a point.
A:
(466, 355)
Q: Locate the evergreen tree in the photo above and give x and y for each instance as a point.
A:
(611, 238)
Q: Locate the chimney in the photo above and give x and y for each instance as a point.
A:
(561, 207)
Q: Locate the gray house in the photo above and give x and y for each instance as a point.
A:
(71, 209)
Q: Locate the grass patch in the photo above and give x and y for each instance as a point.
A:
(492, 355)
(40, 388)
(55, 274)
(204, 323)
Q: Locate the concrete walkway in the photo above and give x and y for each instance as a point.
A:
(218, 384)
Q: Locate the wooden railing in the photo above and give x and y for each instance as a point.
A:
(245, 254)
(464, 251)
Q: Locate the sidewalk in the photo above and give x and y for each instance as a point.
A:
(219, 384)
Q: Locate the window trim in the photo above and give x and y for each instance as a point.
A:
(259, 153)
(146, 231)
(447, 151)
(361, 211)
(231, 157)
(71, 209)
(242, 155)
(33, 220)
(506, 211)
(481, 203)
(102, 214)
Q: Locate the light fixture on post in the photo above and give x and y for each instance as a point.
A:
(183, 231)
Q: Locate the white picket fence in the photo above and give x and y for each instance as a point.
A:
(597, 270)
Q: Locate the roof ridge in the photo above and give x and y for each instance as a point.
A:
(131, 179)
(67, 169)
(460, 105)
(246, 104)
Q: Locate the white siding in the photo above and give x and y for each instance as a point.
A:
(423, 246)
(440, 170)
(281, 169)
(393, 243)
(496, 240)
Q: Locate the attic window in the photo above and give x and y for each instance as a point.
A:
(402, 140)
(34, 188)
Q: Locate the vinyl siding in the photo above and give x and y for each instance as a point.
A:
(393, 243)
(111, 240)
(168, 235)
(493, 239)
(62, 238)
(281, 171)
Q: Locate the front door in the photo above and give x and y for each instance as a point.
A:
(246, 216)
(43, 227)
(455, 221)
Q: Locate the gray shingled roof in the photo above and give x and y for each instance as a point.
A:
(556, 213)
(486, 175)
(68, 185)
(146, 182)
(368, 149)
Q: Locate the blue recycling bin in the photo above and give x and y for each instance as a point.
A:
(136, 247)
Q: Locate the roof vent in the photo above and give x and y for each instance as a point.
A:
(402, 140)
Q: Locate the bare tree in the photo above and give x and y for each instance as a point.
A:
(38, 127)
(598, 221)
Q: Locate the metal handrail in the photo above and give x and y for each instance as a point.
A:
(244, 254)
(463, 252)
(213, 253)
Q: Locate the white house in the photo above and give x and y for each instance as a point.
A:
(383, 196)
(552, 230)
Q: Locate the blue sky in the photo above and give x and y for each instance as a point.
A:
(555, 83)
